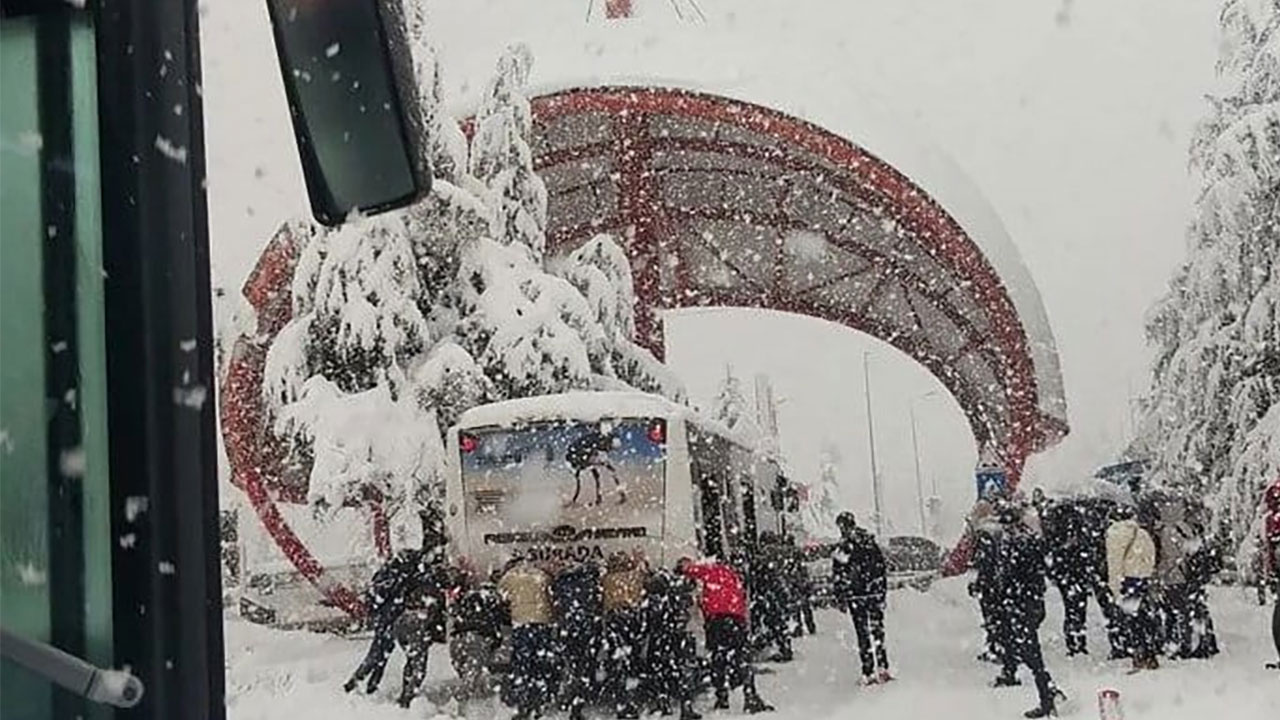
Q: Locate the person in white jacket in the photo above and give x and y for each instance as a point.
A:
(1131, 564)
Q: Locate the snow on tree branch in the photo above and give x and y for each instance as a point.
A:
(1211, 413)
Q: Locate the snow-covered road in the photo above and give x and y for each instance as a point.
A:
(933, 639)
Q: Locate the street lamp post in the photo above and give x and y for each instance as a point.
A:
(871, 442)
(915, 450)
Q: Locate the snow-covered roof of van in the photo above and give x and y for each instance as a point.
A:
(746, 60)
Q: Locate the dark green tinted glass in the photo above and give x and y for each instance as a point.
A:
(346, 112)
(55, 534)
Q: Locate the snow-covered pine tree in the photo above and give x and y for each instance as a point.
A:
(530, 331)
(1216, 381)
(357, 319)
(502, 160)
(523, 326)
(600, 271)
(336, 375)
(446, 146)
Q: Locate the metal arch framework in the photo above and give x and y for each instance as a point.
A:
(782, 149)
(629, 150)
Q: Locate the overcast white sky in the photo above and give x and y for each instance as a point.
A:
(1072, 118)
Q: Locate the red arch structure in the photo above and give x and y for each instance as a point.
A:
(720, 202)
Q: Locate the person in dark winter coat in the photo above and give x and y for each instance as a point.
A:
(801, 588)
(392, 587)
(859, 574)
(770, 583)
(672, 651)
(982, 588)
(1073, 566)
(579, 609)
(1203, 562)
(1019, 587)
(479, 618)
(422, 624)
(722, 599)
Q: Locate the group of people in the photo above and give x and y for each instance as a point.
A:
(1147, 568)
(579, 633)
(616, 634)
(1145, 564)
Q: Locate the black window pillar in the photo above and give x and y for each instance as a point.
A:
(167, 595)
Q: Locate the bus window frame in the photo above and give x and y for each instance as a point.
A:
(167, 596)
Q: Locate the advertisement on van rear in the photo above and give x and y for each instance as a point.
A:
(568, 491)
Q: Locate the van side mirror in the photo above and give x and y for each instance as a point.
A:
(348, 77)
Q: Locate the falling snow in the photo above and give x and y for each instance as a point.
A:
(170, 150)
(31, 575)
(134, 506)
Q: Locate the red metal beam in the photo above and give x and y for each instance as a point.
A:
(617, 9)
(878, 262)
(640, 214)
(791, 162)
(886, 265)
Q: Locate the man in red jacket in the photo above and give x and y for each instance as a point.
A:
(1271, 554)
(723, 603)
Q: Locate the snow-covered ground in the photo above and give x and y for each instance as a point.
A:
(933, 639)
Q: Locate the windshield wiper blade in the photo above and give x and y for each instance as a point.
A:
(109, 687)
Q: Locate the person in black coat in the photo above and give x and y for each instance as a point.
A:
(797, 569)
(1072, 566)
(859, 574)
(1019, 587)
(577, 599)
(422, 623)
(1204, 561)
(402, 582)
(479, 618)
(982, 588)
(385, 600)
(671, 651)
(770, 594)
